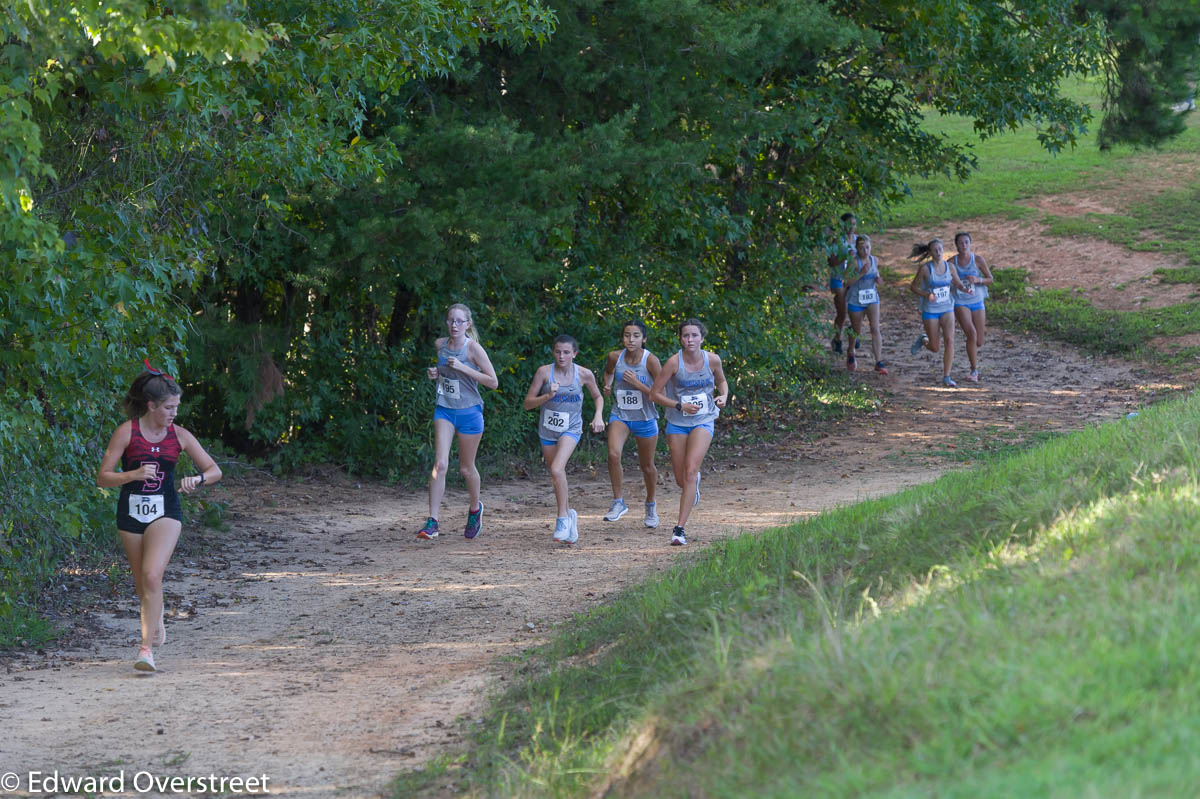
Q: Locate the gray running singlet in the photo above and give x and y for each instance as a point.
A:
(455, 389)
(981, 292)
(564, 413)
(630, 404)
(862, 292)
(939, 284)
(695, 388)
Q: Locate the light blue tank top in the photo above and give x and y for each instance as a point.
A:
(981, 292)
(564, 413)
(455, 389)
(695, 388)
(939, 284)
(855, 294)
(630, 404)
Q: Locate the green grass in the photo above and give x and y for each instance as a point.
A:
(1185, 274)
(1022, 628)
(1015, 167)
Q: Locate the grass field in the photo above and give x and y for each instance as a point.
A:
(1025, 627)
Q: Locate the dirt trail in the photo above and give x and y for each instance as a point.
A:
(324, 646)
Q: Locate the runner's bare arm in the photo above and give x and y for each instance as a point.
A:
(660, 382)
(588, 378)
(108, 476)
(915, 286)
(721, 384)
(534, 400)
(209, 470)
(987, 278)
(610, 370)
(653, 366)
(485, 375)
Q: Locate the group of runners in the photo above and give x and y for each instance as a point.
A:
(690, 386)
(950, 289)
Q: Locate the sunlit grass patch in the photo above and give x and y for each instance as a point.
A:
(1026, 626)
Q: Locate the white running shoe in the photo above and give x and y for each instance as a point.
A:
(618, 509)
(974, 376)
(678, 537)
(651, 519)
(562, 529)
(145, 661)
(921, 341)
(574, 518)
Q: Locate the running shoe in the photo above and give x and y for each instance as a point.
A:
(851, 362)
(678, 537)
(618, 509)
(881, 367)
(430, 530)
(696, 501)
(474, 522)
(145, 659)
(948, 382)
(562, 529)
(574, 517)
(836, 343)
(974, 376)
(651, 519)
(921, 341)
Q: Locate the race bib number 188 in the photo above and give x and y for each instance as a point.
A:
(629, 400)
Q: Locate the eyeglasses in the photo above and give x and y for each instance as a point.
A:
(456, 322)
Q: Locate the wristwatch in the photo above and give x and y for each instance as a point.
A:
(678, 405)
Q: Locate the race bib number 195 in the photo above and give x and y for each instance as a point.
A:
(449, 388)
(700, 400)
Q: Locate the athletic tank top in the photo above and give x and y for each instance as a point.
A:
(855, 293)
(695, 388)
(455, 389)
(843, 249)
(164, 453)
(980, 293)
(564, 413)
(939, 284)
(630, 404)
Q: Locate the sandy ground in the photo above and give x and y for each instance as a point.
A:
(319, 643)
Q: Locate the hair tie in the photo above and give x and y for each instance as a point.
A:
(155, 372)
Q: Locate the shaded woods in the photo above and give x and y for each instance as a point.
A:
(278, 200)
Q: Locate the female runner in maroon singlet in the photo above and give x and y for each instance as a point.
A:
(149, 515)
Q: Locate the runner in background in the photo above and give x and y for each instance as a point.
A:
(462, 367)
(556, 392)
(840, 252)
(862, 297)
(693, 389)
(933, 283)
(149, 513)
(630, 372)
(969, 307)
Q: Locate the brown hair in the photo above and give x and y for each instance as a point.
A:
(694, 322)
(148, 387)
(470, 332)
(921, 252)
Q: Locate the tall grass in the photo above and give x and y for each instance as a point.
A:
(1025, 626)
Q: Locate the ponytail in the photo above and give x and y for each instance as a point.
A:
(149, 386)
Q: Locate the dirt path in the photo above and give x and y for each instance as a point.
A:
(322, 645)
